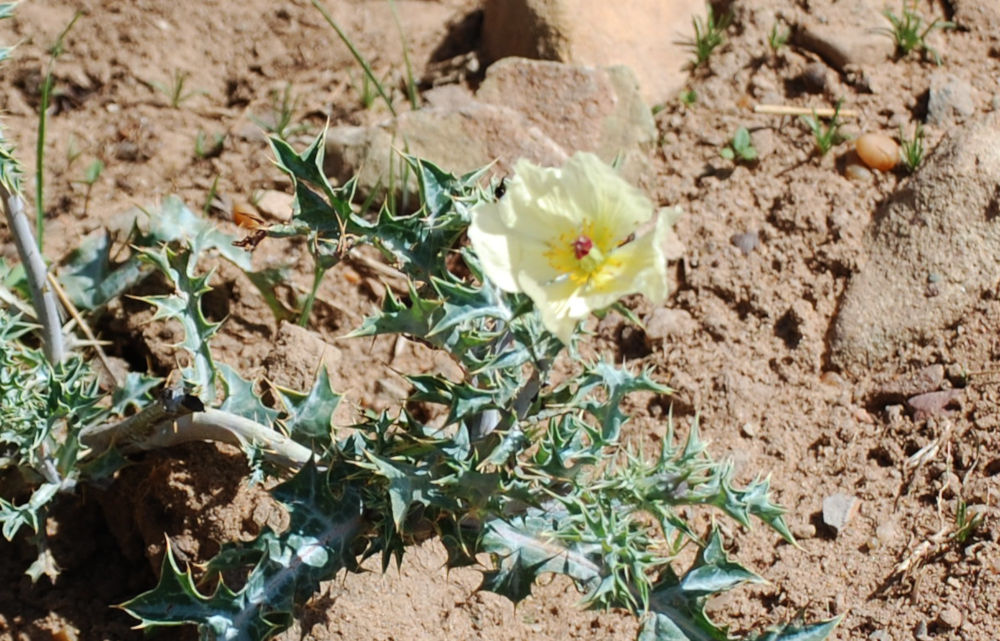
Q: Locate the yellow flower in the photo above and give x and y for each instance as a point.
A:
(562, 236)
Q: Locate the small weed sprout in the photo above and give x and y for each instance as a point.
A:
(90, 176)
(689, 97)
(966, 524)
(828, 136)
(72, 152)
(204, 149)
(909, 32)
(740, 148)
(283, 107)
(175, 90)
(708, 35)
(778, 37)
(912, 149)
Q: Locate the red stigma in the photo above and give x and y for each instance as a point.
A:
(582, 246)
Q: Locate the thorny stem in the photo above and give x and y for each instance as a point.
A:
(172, 421)
(36, 273)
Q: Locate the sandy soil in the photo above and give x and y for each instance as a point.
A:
(746, 349)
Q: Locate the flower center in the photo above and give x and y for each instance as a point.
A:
(582, 246)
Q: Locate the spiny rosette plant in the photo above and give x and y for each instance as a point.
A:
(539, 477)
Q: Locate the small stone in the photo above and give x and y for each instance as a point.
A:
(950, 617)
(665, 323)
(879, 635)
(276, 205)
(748, 430)
(746, 242)
(949, 99)
(932, 403)
(856, 172)
(888, 532)
(804, 531)
(814, 77)
(839, 509)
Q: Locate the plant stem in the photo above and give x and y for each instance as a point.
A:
(168, 422)
(411, 84)
(36, 273)
(43, 108)
(357, 55)
(307, 306)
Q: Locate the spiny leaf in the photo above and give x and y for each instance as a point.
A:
(677, 608)
(527, 546)
(134, 392)
(310, 415)
(241, 399)
(407, 484)
(287, 568)
(184, 305)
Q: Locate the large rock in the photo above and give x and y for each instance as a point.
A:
(645, 35)
(934, 249)
(846, 33)
(580, 108)
(539, 110)
(457, 139)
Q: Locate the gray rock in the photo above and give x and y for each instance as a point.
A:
(846, 33)
(580, 108)
(456, 139)
(745, 242)
(538, 110)
(944, 221)
(949, 99)
(839, 509)
(645, 35)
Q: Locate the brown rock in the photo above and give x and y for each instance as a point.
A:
(276, 205)
(645, 35)
(939, 226)
(665, 323)
(950, 617)
(538, 110)
(878, 151)
(932, 403)
(845, 33)
(580, 108)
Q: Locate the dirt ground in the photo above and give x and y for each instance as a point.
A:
(746, 350)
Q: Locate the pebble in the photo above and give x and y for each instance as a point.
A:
(950, 617)
(878, 151)
(857, 173)
(746, 242)
(664, 323)
(932, 403)
(949, 99)
(804, 531)
(814, 77)
(839, 509)
(276, 205)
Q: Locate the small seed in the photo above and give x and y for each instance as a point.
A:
(858, 173)
(878, 151)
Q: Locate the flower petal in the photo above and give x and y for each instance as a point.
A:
(559, 305)
(605, 199)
